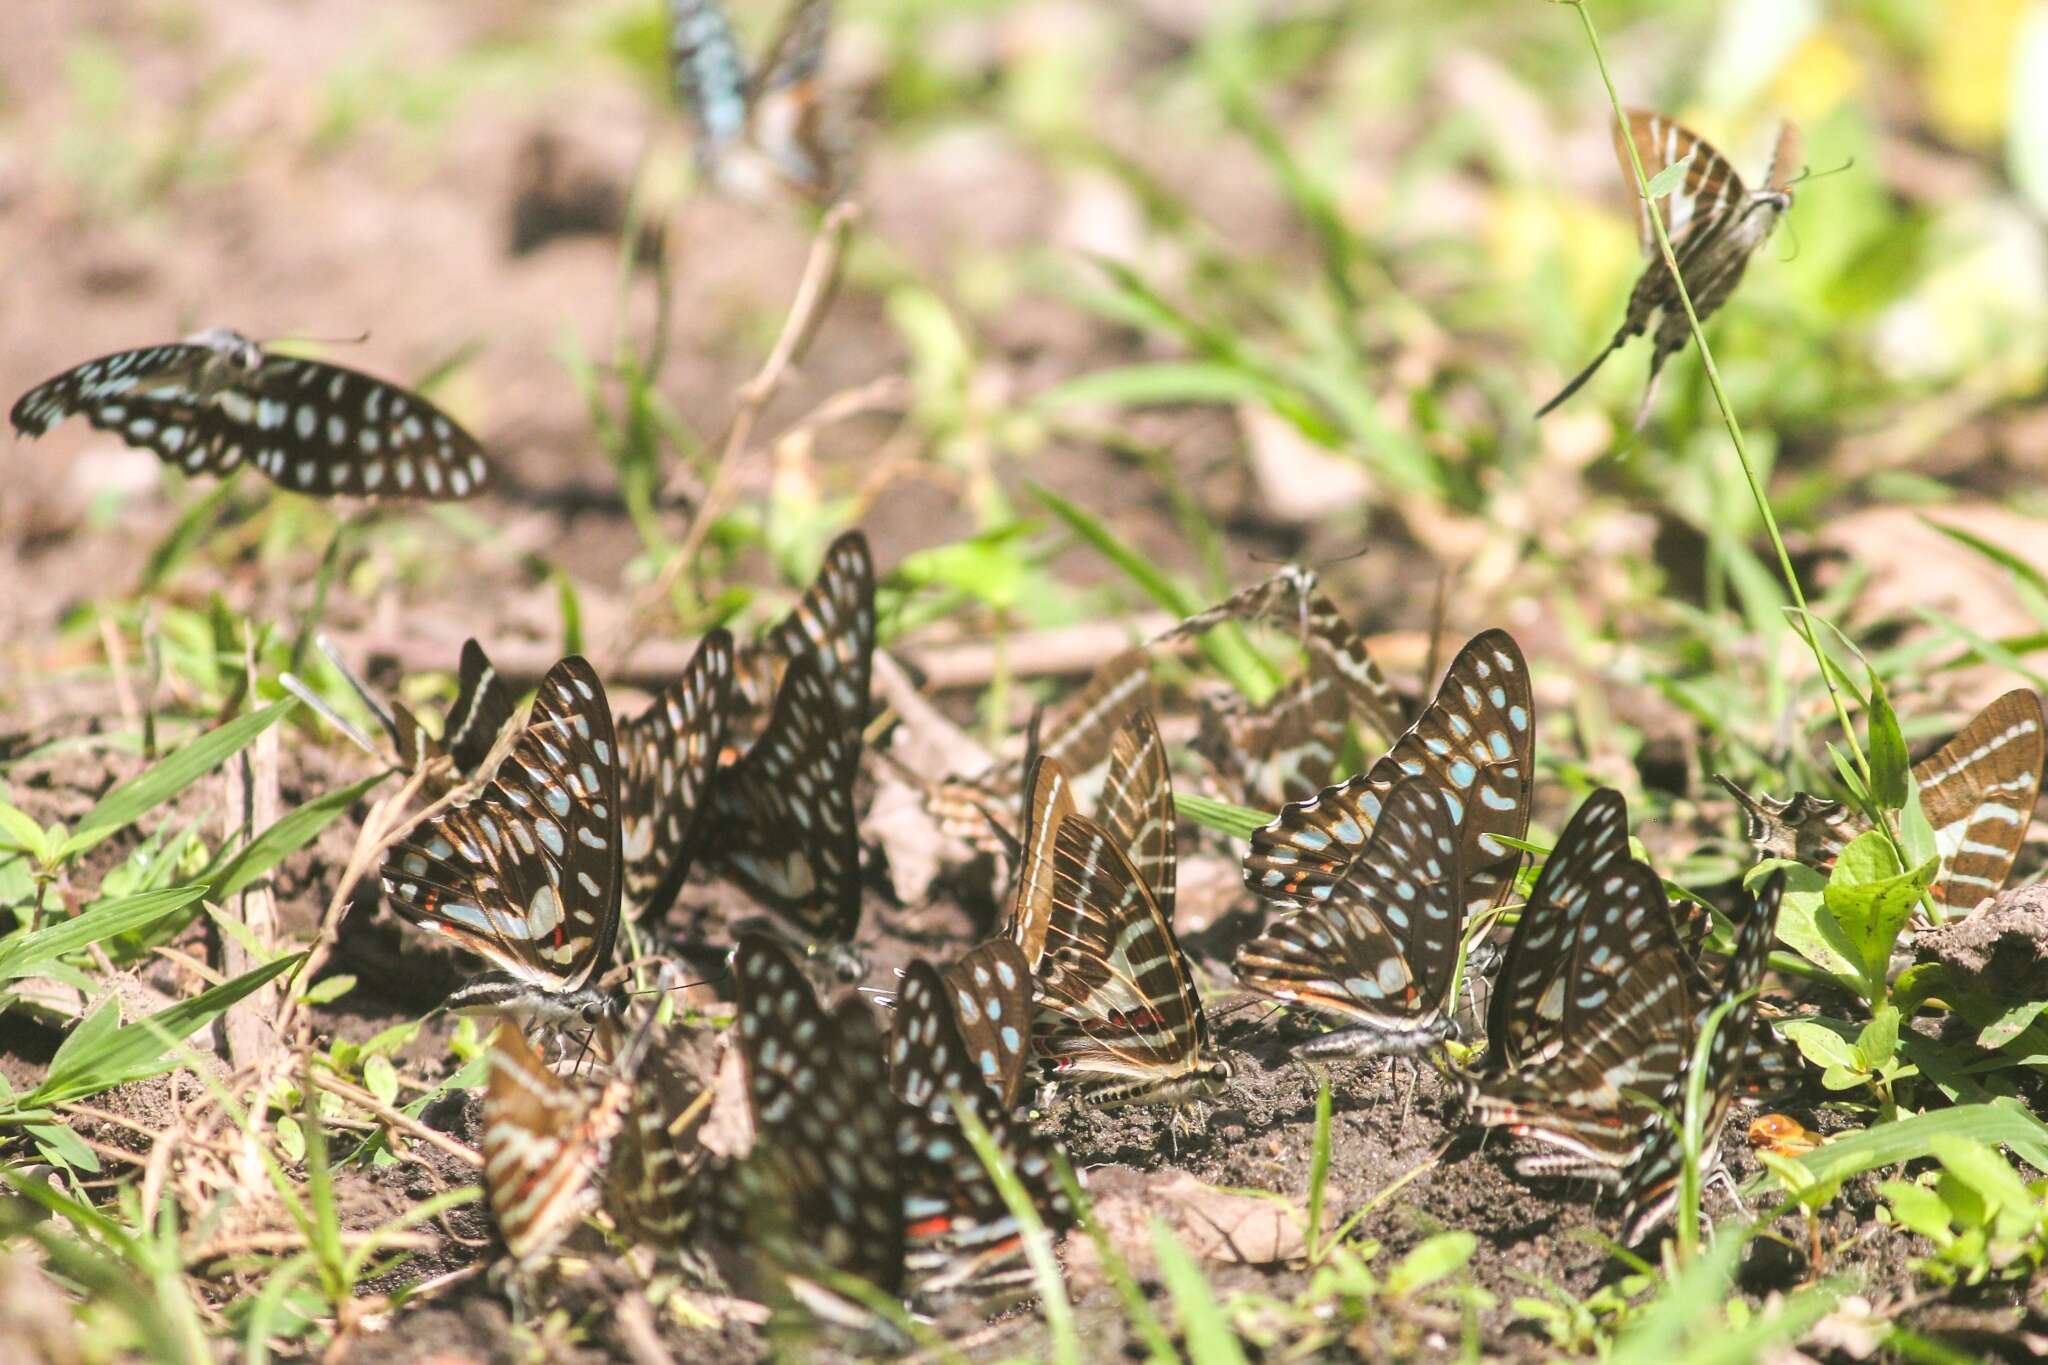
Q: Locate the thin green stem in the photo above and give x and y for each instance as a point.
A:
(1802, 621)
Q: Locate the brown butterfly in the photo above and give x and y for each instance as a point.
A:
(1715, 224)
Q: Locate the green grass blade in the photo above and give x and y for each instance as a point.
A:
(1038, 1251)
(134, 798)
(290, 834)
(1888, 1144)
(29, 954)
(1205, 1330)
(1239, 822)
(1318, 1171)
(138, 1050)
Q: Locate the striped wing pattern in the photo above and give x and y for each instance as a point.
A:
(545, 1141)
(1715, 225)
(821, 1187)
(1380, 953)
(1650, 1187)
(1475, 741)
(216, 400)
(527, 875)
(958, 1232)
(1118, 1008)
(654, 1178)
(1978, 791)
(1591, 1001)
(670, 755)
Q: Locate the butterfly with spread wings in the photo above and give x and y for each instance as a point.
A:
(757, 127)
(1715, 224)
(217, 400)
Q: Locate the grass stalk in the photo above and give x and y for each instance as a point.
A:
(1802, 620)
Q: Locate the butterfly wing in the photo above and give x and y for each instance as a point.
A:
(1049, 800)
(1136, 805)
(1650, 1189)
(991, 994)
(1475, 740)
(781, 820)
(527, 875)
(710, 73)
(671, 753)
(823, 1168)
(1381, 951)
(1979, 791)
(545, 1142)
(1704, 199)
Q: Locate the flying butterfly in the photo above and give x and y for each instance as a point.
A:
(217, 399)
(959, 1234)
(1379, 955)
(773, 120)
(670, 755)
(483, 705)
(1592, 1000)
(1978, 791)
(1476, 741)
(1715, 225)
(1119, 1014)
(527, 875)
(1649, 1188)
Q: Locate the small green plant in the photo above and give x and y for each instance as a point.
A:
(1983, 1220)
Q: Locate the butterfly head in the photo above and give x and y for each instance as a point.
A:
(232, 351)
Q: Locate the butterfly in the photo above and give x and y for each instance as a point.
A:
(1592, 999)
(821, 1189)
(654, 1181)
(780, 820)
(1093, 911)
(483, 704)
(774, 119)
(1476, 740)
(1715, 225)
(1649, 1188)
(670, 755)
(546, 1140)
(216, 399)
(1284, 749)
(1978, 791)
(1380, 953)
(959, 1234)
(527, 875)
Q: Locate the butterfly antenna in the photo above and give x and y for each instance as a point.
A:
(301, 338)
(295, 685)
(359, 687)
(1808, 173)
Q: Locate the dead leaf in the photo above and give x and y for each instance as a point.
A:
(1236, 1229)
(1301, 482)
(902, 824)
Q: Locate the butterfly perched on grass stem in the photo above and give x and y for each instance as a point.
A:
(754, 128)
(1119, 1014)
(1715, 225)
(528, 875)
(217, 400)
(1978, 791)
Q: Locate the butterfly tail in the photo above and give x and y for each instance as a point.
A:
(1579, 380)
(1657, 359)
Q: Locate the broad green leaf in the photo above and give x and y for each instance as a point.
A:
(2001, 1121)
(1444, 1254)
(290, 834)
(1985, 1172)
(1239, 822)
(1799, 926)
(28, 955)
(1888, 761)
(1915, 833)
(144, 1047)
(1867, 901)
(380, 1078)
(328, 989)
(1919, 1209)
(87, 1036)
(1820, 1044)
(1878, 1043)
(134, 798)
(62, 1146)
(2010, 1024)
(24, 833)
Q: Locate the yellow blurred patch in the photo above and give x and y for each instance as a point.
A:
(1968, 74)
(1821, 74)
